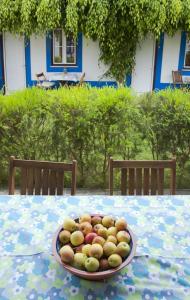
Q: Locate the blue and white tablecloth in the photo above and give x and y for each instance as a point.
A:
(160, 269)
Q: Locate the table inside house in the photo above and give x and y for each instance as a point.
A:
(64, 77)
(159, 270)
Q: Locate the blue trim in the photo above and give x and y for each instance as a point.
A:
(2, 81)
(101, 83)
(158, 65)
(183, 70)
(50, 68)
(29, 81)
(128, 80)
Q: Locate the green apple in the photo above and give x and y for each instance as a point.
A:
(123, 236)
(77, 238)
(91, 264)
(86, 249)
(103, 232)
(64, 236)
(123, 249)
(109, 248)
(108, 221)
(114, 260)
(69, 224)
(79, 260)
(96, 251)
(97, 227)
(85, 218)
(112, 231)
(112, 239)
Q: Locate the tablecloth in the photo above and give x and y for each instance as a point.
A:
(160, 269)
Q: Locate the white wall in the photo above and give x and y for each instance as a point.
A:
(38, 55)
(90, 56)
(142, 76)
(170, 58)
(14, 59)
(91, 65)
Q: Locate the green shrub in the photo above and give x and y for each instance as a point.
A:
(167, 119)
(86, 124)
(92, 124)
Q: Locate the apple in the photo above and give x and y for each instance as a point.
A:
(85, 227)
(123, 249)
(79, 248)
(97, 227)
(79, 260)
(66, 254)
(85, 249)
(85, 218)
(103, 232)
(77, 238)
(89, 237)
(104, 265)
(96, 251)
(69, 224)
(121, 224)
(112, 231)
(112, 239)
(91, 264)
(96, 220)
(123, 236)
(108, 221)
(114, 260)
(109, 248)
(98, 240)
(64, 236)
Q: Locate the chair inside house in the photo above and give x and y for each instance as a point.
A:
(177, 77)
(143, 177)
(43, 83)
(41, 177)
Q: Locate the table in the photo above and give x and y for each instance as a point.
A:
(160, 269)
(74, 77)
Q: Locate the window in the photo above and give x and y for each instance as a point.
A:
(187, 53)
(64, 48)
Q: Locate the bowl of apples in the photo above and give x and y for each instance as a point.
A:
(94, 247)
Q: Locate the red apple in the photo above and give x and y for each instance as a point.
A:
(89, 237)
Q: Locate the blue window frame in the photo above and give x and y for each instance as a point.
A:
(53, 67)
(1, 63)
(185, 70)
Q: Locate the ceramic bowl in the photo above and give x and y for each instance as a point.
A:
(100, 275)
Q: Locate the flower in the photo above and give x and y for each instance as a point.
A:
(17, 289)
(74, 290)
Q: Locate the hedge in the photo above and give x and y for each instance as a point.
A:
(90, 124)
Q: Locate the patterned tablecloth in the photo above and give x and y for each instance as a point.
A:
(160, 269)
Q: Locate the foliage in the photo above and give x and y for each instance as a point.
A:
(85, 124)
(167, 123)
(90, 124)
(118, 25)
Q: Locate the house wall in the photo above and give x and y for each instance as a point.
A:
(170, 57)
(142, 76)
(90, 59)
(23, 59)
(14, 62)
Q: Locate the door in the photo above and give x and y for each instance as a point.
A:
(1, 64)
(14, 55)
